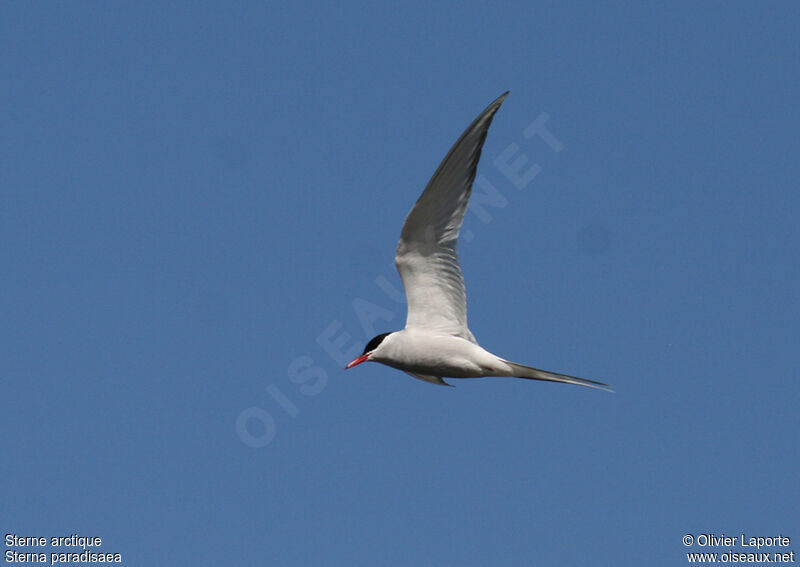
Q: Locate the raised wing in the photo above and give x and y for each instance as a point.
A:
(426, 254)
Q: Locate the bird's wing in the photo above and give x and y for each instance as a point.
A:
(426, 254)
(428, 378)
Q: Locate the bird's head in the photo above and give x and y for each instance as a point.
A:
(369, 350)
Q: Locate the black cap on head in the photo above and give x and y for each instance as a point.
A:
(373, 344)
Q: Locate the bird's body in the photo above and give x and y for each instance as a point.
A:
(436, 341)
(434, 354)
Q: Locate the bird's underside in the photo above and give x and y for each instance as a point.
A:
(533, 374)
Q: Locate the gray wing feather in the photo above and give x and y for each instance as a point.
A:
(427, 256)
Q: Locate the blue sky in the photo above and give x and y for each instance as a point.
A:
(199, 199)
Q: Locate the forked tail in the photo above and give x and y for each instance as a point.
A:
(521, 371)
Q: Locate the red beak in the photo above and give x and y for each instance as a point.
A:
(357, 361)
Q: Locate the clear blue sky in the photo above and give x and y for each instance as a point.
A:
(197, 200)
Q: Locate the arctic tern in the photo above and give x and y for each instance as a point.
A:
(436, 341)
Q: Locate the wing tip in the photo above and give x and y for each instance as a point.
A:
(499, 100)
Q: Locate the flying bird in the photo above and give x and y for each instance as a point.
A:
(436, 342)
